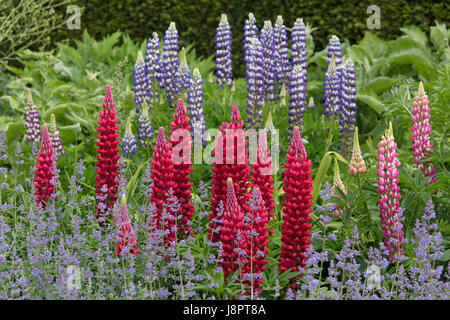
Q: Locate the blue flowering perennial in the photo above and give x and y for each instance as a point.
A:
(195, 109)
(332, 89)
(152, 62)
(250, 32)
(145, 132)
(297, 97)
(224, 62)
(139, 81)
(266, 38)
(129, 144)
(334, 49)
(255, 84)
(298, 43)
(347, 110)
(184, 73)
(280, 48)
(169, 64)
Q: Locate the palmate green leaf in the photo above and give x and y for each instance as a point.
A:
(371, 100)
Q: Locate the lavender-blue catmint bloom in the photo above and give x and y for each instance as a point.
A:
(334, 49)
(297, 97)
(169, 64)
(224, 72)
(332, 89)
(145, 132)
(152, 72)
(255, 84)
(347, 110)
(250, 32)
(266, 38)
(32, 122)
(139, 80)
(195, 109)
(280, 48)
(129, 144)
(184, 73)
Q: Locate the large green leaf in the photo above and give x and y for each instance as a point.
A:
(371, 100)
(380, 84)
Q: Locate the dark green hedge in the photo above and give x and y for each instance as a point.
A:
(196, 20)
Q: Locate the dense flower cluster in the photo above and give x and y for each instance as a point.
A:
(45, 166)
(250, 32)
(298, 43)
(145, 132)
(169, 64)
(184, 73)
(126, 242)
(296, 207)
(152, 72)
(195, 109)
(224, 72)
(280, 49)
(422, 145)
(332, 89)
(389, 205)
(357, 164)
(297, 96)
(129, 143)
(107, 178)
(139, 80)
(32, 122)
(255, 84)
(334, 49)
(266, 38)
(55, 137)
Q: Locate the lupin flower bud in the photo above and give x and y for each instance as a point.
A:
(311, 103)
(152, 63)
(332, 89)
(255, 84)
(170, 64)
(224, 72)
(266, 38)
(337, 183)
(334, 49)
(32, 122)
(184, 72)
(283, 96)
(129, 143)
(195, 100)
(107, 178)
(250, 32)
(145, 132)
(232, 222)
(297, 97)
(126, 242)
(357, 164)
(45, 165)
(421, 141)
(280, 43)
(389, 204)
(347, 110)
(55, 137)
(139, 80)
(296, 207)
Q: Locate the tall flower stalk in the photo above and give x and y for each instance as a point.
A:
(266, 38)
(55, 137)
(280, 48)
(152, 72)
(107, 178)
(129, 143)
(296, 207)
(126, 242)
(297, 96)
(224, 72)
(332, 89)
(389, 203)
(184, 71)
(195, 108)
(145, 131)
(334, 49)
(298, 43)
(139, 80)
(32, 120)
(169, 64)
(250, 32)
(45, 166)
(357, 164)
(421, 141)
(255, 84)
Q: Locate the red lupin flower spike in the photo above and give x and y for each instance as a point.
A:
(45, 165)
(126, 238)
(182, 167)
(236, 167)
(107, 178)
(296, 207)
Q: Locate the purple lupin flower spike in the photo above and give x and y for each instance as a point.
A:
(347, 108)
(250, 32)
(332, 89)
(184, 72)
(139, 82)
(224, 72)
(169, 64)
(334, 49)
(32, 122)
(129, 144)
(195, 109)
(281, 51)
(145, 132)
(297, 97)
(55, 137)
(266, 38)
(298, 43)
(152, 63)
(255, 84)
(389, 205)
